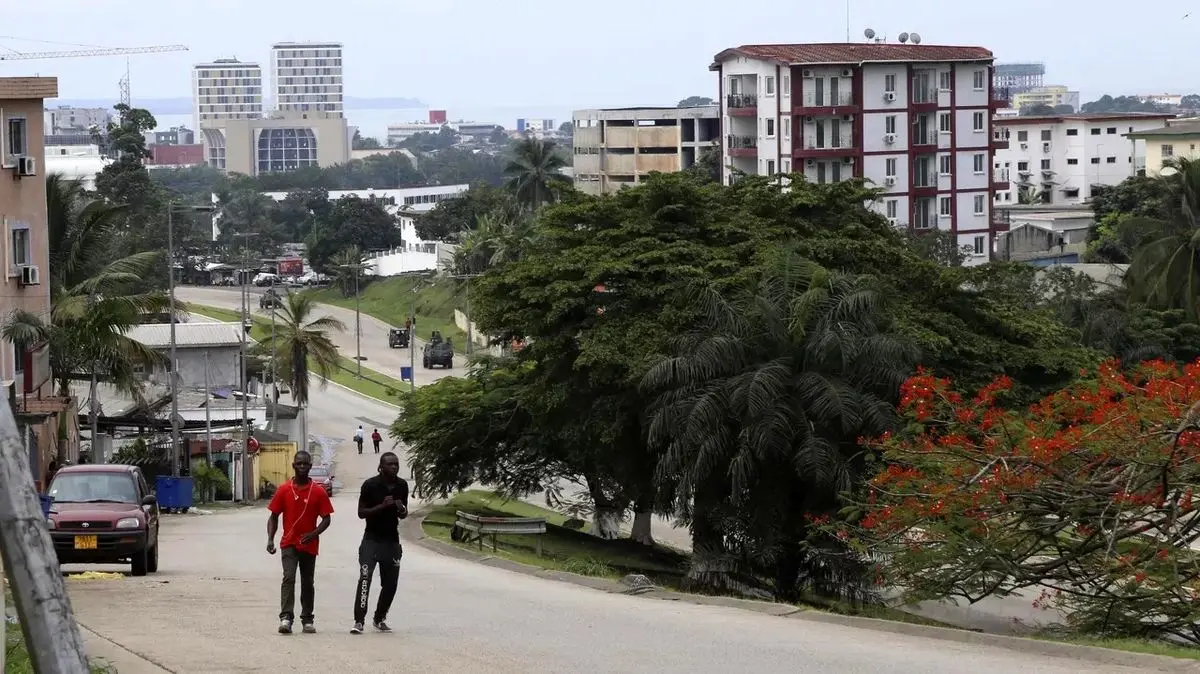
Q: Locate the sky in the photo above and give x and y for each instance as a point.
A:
(581, 54)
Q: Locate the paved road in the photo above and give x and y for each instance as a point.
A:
(379, 356)
(212, 609)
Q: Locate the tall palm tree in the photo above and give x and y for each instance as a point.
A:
(348, 266)
(534, 172)
(301, 343)
(1165, 269)
(496, 239)
(759, 413)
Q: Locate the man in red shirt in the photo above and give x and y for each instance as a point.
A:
(301, 503)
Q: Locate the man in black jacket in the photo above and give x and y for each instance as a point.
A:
(382, 502)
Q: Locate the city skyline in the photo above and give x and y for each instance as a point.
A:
(477, 53)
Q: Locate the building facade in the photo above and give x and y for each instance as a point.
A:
(1061, 159)
(277, 143)
(204, 352)
(620, 146)
(1018, 77)
(401, 131)
(1176, 140)
(307, 77)
(68, 120)
(226, 89)
(915, 120)
(1052, 96)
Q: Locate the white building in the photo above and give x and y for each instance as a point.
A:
(401, 131)
(66, 119)
(307, 77)
(75, 162)
(226, 89)
(1058, 159)
(913, 119)
(1168, 100)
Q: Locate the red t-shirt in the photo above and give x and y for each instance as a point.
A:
(301, 507)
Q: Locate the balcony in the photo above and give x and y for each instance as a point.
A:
(924, 96)
(1001, 219)
(811, 149)
(742, 105)
(1000, 139)
(1000, 180)
(820, 103)
(925, 141)
(741, 146)
(1000, 98)
(925, 183)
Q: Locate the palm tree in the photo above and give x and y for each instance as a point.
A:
(1165, 269)
(496, 239)
(758, 416)
(348, 266)
(301, 342)
(534, 172)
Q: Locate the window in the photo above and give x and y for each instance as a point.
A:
(769, 85)
(786, 165)
(944, 122)
(1071, 161)
(890, 167)
(889, 124)
(1071, 193)
(979, 80)
(944, 206)
(980, 204)
(1095, 160)
(978, 245)
(892, 208)
(1047, 135)
(786, 123)
(1168, 151)
(17, 142)
(1023, 166)
(770, 128)
(1072, 132)
(835, 133)
(1023, 136)
(786, 86)
(1045, 164)
(944, 165)
(889, 83)
(944, 80)
(1111, 130)
(1095, 132)
(770, 167)
(1110, 160)
(977, 122)
(21, 254)
(979, 161)
(18, 359)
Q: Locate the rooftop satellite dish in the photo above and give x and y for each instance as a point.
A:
(902, 37)
(869, 33)
(916, 39)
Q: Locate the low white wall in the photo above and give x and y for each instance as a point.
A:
(400, 262)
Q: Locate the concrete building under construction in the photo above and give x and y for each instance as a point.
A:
(1018, 77)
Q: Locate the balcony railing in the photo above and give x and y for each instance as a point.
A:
(826, 99)
(1000, 176)
(923, 94)
(741, 101)
(926, 138)
(929, 179)
(741, 142)
(1000, 135)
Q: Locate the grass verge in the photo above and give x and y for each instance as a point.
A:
(576, 552)
(372, 383)
(16, 657)
(391, 299)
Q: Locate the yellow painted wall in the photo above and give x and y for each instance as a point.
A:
(274, 462)
(1181, 145)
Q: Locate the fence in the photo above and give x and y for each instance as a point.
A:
(274, 462)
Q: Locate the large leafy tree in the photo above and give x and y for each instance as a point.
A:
(352, 222)
(1165, 269)
(301, 343)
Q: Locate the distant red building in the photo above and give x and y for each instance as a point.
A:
(176, 155)
(437, 116)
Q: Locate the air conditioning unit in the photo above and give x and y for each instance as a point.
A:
(809, 119)
(889, 181)
(806, 73)
(847, 160)
(893, 221)
(1045, 147)
(1024, 146)
(846, 72)
(889, 96)
(847, 118)
(810, 162)
(26, 166)
(889, 138)
(30, 275)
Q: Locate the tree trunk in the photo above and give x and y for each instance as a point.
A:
(641, 528)
(607, 519)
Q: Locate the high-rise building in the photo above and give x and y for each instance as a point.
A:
(226, 89)
(307, 77)
(913, 119)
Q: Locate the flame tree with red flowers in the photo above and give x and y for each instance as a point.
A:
(1085, 499)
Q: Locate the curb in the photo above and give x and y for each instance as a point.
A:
(413, 530)
(330, 382)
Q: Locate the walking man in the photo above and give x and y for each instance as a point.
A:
(301, 504)
(376, 438)
(382, 502)
(358, 438)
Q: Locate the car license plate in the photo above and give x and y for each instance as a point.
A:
(85, 542)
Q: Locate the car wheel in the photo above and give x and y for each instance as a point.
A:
(152, 561)
(140, 562)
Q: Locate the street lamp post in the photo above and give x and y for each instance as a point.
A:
(358, 267)
(172, 208)
(244, 330)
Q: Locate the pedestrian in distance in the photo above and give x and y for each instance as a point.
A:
(376, 438)
(358, 438)
(306, 511)
(382, 503)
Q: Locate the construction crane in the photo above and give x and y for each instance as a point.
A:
(78, 53)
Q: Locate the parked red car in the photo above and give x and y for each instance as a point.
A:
(322, 476)
(104, 514)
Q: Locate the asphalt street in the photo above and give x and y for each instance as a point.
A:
(213, 608)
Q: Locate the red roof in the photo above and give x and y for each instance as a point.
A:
(853, 53)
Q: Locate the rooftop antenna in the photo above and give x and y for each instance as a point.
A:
(847, 20)
(915, 38)
(124, 84)
(902, 37)
(869, 34)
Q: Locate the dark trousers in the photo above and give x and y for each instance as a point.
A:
(294, 560)
(358, 441)
(376, 445)
(387, 555)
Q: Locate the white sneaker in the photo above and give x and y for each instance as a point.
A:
(285, 626)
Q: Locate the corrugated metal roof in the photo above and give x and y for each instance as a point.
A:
(852, 53)
(158, 335)
(1191, 129)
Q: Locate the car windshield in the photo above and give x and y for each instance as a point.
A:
(93, 488)
(318, 471)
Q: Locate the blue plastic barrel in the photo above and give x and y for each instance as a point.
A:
(173, 493)
(405, 373)
(46, 503)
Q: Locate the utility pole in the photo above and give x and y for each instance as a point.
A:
(176, 450)
(357, 267)
(207, 413)
(274, 377)
(245, 384)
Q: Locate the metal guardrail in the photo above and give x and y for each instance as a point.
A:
(481, 526)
